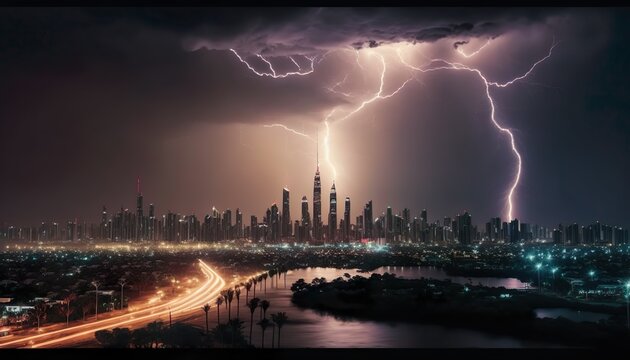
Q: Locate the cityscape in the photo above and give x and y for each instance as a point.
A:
(315, 178)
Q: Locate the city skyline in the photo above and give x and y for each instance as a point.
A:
(277, 226)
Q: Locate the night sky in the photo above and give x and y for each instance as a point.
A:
(90, 99)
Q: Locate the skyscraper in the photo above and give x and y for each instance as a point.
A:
(286, 214)
(368, 220)
(317, 206)
(464, 228)
(514, 231)
(274, 222)
(332, 215)
(346, 220)
(139, 214)
(306, 218)
(239, 223)
(389, 224)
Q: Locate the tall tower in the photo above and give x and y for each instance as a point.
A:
(286, 214)
(368, 220)
(317, 202)
(306, 218)
(139, 213)
(332, 215)
(346, 220)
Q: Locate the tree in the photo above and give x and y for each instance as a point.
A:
(117, 338)
(237, 292)
(156, 330)
(264, 277)
(182, 336)
(205, 309)
(248, 286)
(279, 319)
(39, 311)
(264, 323)
(254, 282)
(229, 296)
(141, 338)
(218, 302)
(264, 305)
(67, 310)
(252, 305)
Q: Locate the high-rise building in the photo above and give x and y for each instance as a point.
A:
(406, 218)
(514, 231)
(389, 224)
(152, 223)
(274, 223)
(464, 228)
(306, 220)
(239, 223)
(346, 220)
(253, 225)
(368, 221)
(139, 214)
(317, 206)
(286, 214)
(332, 215)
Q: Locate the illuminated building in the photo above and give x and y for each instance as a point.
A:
(332, 215)
(286, 214)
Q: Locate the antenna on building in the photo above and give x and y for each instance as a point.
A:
(138, 185)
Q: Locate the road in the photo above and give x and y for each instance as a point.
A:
(179, 306)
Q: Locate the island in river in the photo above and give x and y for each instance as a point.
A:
(494, 310)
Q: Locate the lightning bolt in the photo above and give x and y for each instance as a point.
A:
(273, 71)
(327, 144)
(487, 84)
(379, 95)
(461, 51)
(426, 68)
(333, 89)
(289, 130)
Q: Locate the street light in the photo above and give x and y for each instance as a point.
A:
(122, 283)
(538, 266)
(96, 284)
(628, 303)
(591, 273)
(553, 272)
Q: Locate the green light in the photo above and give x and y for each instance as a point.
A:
(538, 265)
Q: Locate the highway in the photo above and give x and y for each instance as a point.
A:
(179, 306)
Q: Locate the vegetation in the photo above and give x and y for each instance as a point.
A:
(496, 310)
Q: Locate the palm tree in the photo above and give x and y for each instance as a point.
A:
(254, 281)
(224, 295)
(264, 323)
(264, 277)
(264, 305)
(272, 272)
(229, 296)
(273, 333)
(68, 311)
(237, 292)
(279, 319)
(252, 305)
(260, 280)
(219, 301)
(248, 286)
(205, 309)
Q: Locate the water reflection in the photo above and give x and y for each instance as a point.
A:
(309, 328)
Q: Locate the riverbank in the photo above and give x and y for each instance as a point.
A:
(492, 310)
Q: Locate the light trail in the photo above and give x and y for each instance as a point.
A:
(190, 302)
(289, 130)
(273, 71)
(461, 51)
